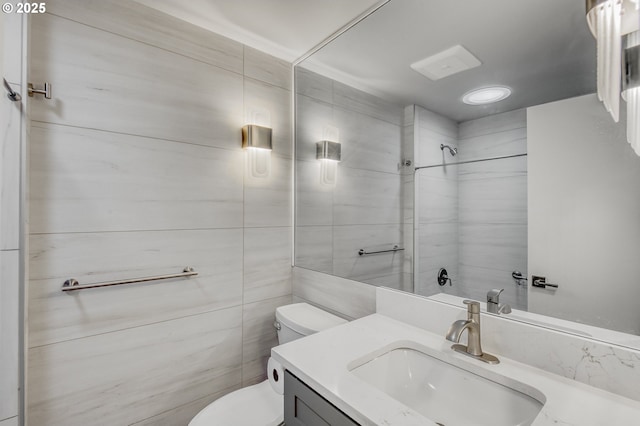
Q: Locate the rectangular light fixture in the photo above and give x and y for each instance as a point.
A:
(254, 136)
(327, 150)
(256, 140)
(329, 153)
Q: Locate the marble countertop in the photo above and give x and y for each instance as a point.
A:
(321, 361)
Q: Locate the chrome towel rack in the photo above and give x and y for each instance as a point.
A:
(363, 252)
(72, 284)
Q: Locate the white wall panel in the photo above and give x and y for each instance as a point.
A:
(55, 316)
(137, 170)
(156, 94)
(9, 326)
(584, 206)
(98, 379)
(85, 180)
(10, 126)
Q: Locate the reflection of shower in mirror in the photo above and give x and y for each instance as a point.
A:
(452, 151)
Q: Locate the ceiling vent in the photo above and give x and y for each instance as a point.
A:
(446, 63)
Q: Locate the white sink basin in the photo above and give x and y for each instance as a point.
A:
(446, 394)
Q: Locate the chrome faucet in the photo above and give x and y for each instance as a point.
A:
(472, 325)
(493, 302)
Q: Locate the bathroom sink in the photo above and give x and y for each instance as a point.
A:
(446, 394)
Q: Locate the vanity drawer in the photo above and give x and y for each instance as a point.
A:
(304, 407)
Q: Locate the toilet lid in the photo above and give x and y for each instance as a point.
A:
(256, 405)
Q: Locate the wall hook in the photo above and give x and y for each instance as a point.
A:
(46, 91)
(13, 95)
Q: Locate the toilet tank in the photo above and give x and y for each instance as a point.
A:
(301, 319)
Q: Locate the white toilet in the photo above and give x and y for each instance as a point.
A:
(260, 405)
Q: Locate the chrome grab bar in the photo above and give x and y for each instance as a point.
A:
(362, 252)
(72, 284)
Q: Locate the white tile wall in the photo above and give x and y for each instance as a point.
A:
(314, 247)
(11, 125)
(266, 68)
(9, 326)
(347, 298)
(472, 217)
(267, 263)
(436, 199)
(492, 209)
(267, 202)
(367, 197)
(314, 202)
(122, 377)
(348, 240)
(143, 98)
(351, 99)
(11, 28)
(137, 170)
(150, 26)
(368, 143)
(369, 189)
(13, 421)
(85, 180)
(258, 337)
(54, 316)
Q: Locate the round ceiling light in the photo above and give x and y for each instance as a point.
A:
(486, 95)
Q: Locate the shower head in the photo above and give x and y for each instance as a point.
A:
(452, 151)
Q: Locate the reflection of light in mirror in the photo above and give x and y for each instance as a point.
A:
(328, 172)
(329, 154)
(258, 162)
(486, 95)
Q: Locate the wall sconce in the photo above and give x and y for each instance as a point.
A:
(609, 21)
(329, 154)
(256, 140)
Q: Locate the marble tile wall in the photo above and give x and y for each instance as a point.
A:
(136, 170)
(13, 421)
(346, 298)
(492, 207)
(408, 192)
(436, 200)
(11, 126)
(9, 333)
(472, 218)
(365, 208)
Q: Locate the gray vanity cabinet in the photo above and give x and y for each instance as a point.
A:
(304, 407)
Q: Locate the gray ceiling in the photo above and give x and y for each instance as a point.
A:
(542, 49)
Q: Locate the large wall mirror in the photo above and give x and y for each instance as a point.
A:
(401, 177)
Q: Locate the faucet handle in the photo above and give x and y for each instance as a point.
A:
(473, 307)
(493, 296)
